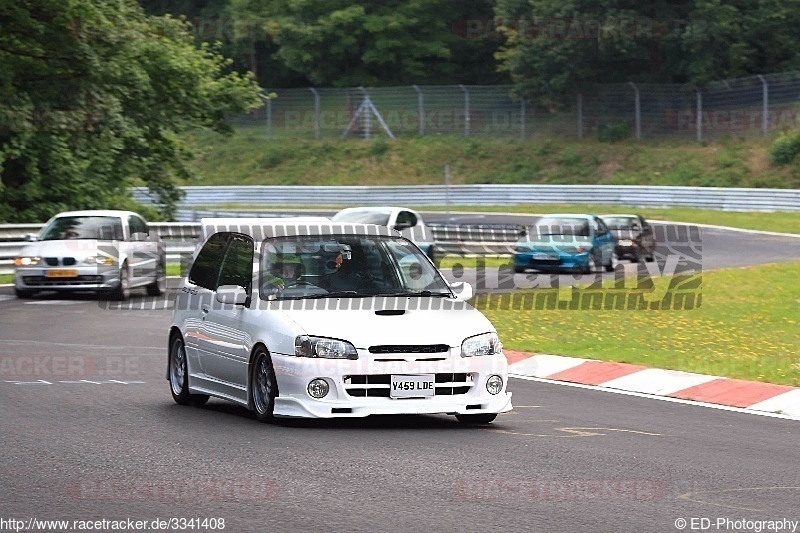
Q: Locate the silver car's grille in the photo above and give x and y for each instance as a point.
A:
(51, 261)
(68, 261)
(41, 281)
(378, 385)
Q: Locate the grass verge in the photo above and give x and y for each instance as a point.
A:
(748, 327)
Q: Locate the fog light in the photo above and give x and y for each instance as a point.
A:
(318, 388)
(494, 384)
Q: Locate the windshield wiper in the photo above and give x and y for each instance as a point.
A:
(416, 293)
(334, 294)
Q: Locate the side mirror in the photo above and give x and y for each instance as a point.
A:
(31, 237)
(231, 295)
(462, 290)
(402, 225)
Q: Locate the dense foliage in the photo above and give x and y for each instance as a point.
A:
(96, 96)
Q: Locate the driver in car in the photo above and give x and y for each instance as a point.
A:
(285, 271)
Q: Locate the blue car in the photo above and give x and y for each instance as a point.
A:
(566, 243)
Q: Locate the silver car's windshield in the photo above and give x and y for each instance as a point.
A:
(560, 226)
(83, 227)
(620, 223)
(346, 266)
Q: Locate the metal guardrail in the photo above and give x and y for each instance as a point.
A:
(727, 199)
(180, 239)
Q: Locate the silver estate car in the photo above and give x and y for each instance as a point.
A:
(105, 251)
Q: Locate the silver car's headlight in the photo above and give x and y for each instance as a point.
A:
(484, 344)
(308, 346)
(26, 261)
(99, 259)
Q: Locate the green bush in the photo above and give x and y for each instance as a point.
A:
(612, 133)
(785, 149)
(378, 147)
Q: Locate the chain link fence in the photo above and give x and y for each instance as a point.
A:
(756, 105)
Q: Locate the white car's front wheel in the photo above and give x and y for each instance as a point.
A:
(263, 386)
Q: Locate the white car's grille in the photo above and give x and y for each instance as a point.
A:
(378, 385)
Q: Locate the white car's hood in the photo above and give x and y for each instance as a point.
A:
(443, 322)
(78, 248)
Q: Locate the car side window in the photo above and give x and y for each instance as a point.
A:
(205, 270)
(137, 227)
(237, 267)
(406, 218)
(602, 229)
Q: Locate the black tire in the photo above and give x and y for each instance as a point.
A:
(650, 258)
(519, 269)
(23, 294)
(591, 266)
(123, 290)
(610, 265)
(159, 285)
(263, 386)
(179, 376)
(480, 419)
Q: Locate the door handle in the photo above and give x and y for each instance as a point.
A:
(204, 309)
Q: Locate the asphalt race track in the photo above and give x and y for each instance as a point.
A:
(89, 431)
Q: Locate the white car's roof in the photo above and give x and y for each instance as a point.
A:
(376, 208)
(568, 215)
(97, 213)
(261, 228)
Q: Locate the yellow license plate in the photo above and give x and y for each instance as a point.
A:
(61, 273)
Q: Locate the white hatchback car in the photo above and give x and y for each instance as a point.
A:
(106, 251)
(309, 318)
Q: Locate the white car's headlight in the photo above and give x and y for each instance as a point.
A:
(484, 344)
(308, 346)
(625, 242)
(26, 261)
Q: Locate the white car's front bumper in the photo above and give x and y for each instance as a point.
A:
(360, 388)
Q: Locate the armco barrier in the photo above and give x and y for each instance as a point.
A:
(180, 238)
(267, 197)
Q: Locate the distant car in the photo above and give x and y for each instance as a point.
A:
(105, 251)
(571, 242)
(407, 221)
(308, 318)
(635, 238)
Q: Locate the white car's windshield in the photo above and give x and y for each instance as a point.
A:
(83, 227)
(346, 266)
(378, 218)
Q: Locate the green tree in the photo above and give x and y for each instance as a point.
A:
(96, 96)
(742, 38)
(556, 48)
(366, 42)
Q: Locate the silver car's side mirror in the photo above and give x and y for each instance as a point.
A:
(462, 290)
(231, 295)
(31, 237)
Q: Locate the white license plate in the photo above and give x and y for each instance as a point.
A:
(412, 386)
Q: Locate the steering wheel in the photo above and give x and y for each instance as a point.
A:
(300, 283)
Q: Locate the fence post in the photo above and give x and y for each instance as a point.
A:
(269, 117)
(637, 110)
(366, 114)
(522, 131)
(466, 110)
(699, 121)
(316, 112)
(420, 110)
(580, 115)
(764, 106)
